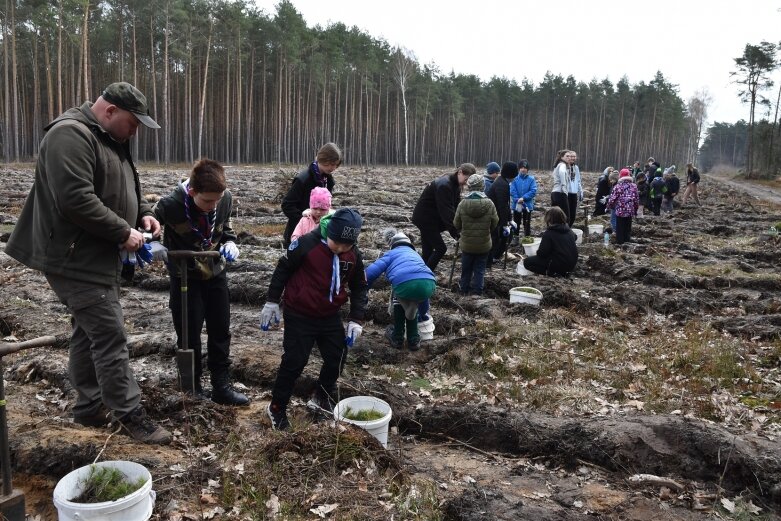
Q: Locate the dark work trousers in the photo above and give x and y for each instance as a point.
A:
(98, 358)
(656, 205)
(207, 301)
(301, 333)
(572, 200)
(498, 246)
(524, 219)
(432, 245)
(543, 266)
(289, 229)
(560, 199)
(623, 229)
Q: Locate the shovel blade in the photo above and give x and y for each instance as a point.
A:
(185, 362)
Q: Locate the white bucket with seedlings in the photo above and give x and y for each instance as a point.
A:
(578, 235)
(426, 329)
(525, 295)
(596, 228)
(367, 412)
(521, 270)
(531, 248)
(136, 506)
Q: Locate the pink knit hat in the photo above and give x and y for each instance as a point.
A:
(624, 173)
(320, 198)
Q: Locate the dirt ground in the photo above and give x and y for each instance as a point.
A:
(646, 386)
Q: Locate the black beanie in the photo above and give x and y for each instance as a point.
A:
(509, 170)
(345, 225)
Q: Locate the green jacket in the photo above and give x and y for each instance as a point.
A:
(84, 200)
(475, 218)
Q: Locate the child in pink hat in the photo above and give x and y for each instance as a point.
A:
(319, 206)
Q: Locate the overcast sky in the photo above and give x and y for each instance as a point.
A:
(692, 42)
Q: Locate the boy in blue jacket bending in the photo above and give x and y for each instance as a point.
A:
(413, 284)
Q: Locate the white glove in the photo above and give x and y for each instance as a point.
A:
(159, 252)
(519, 206)
(514, 226)
(603, 200)
(269, 312)
(354, 331)
(128, 258)
(230, 251)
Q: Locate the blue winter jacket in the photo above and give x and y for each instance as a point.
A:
(401, 264)
(523, 186)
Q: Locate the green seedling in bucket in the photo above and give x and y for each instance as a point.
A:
(106, 484)
(363, 415)
(527, 240)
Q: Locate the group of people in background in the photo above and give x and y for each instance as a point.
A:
(82, 226)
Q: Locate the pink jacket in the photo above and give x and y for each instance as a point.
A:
(305, 225)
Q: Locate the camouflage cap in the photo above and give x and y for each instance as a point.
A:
(127, 97)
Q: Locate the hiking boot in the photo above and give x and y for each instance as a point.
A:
(278, 416)
(98, 419)
(223, 393)
(515, 242)
(413, 344)
(321, 402)
(391, 337)
(138, 426)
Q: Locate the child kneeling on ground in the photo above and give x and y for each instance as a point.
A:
(558, 253)
(314, 274)
(413, 284)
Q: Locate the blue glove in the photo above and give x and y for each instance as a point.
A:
(230, 251)
(144, 255)
(270, 312)
(514, 226)
(354, 331)
(506, 231)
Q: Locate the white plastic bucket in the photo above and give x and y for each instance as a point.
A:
(578, 235)
(531, 249)
(521, 270)
(377, 428)
(595, 228)
(526, 295)
(426, 329)
(134, 507)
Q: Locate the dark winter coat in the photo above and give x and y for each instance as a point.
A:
(559, 249)
(179, 235)
(297, 198)
(673, 186)
(642, 190)
(692, 176)
(475, 218)
(658, 188)
(83, 203)
(499, 193)
(304, 274)
(437, 204)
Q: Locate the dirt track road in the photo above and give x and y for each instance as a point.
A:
(760, 191)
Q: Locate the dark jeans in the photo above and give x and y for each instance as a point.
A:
(524, 219)
(207, 301)
(473, 272)
(561, 200)
(543, 266)
(623, 229)
(433, 248)
(301, 333)
(289, 228)
(98, 358)
(572, 200)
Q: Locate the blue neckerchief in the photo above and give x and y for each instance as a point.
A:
(336, 282)
(319, 178)
(211, 218)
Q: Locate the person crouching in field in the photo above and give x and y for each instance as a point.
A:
(196, 217)
(413, 284)
(475, 219)
(319, 206)
(624, 202)
(558, 253)
(314, 275)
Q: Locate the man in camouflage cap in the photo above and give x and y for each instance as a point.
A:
(84, 209)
